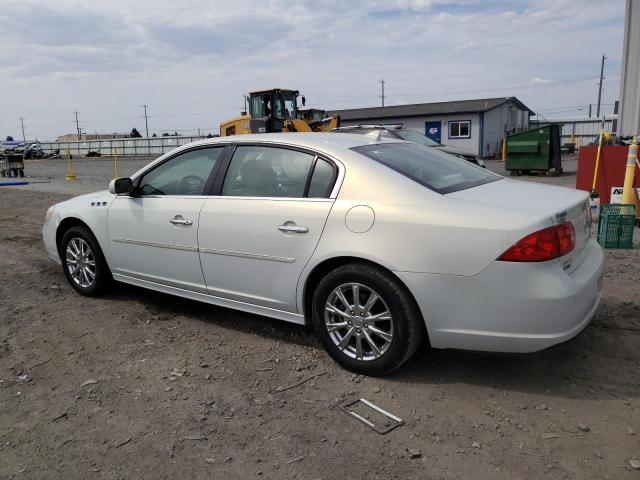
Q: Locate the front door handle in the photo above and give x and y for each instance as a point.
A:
(293, 228)
(179, 220)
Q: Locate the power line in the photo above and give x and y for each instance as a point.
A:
(477, 90)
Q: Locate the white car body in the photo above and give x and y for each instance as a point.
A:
(444, 248)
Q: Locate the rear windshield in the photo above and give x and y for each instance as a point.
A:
(438, 171)
(415, 137)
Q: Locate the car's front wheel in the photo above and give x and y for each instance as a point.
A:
(83, 263)
(366, 319)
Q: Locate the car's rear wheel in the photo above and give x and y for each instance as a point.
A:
(366, 319)
(83, 262)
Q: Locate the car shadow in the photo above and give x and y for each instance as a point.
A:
(599, 364)
(163, 307)
(589, 366)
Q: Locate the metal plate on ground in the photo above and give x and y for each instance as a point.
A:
(381, 430)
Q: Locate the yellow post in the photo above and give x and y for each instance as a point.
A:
(504, 149)
(572, 139)
(70, 175)
(627, 191)
(115, 161)
(595, 170)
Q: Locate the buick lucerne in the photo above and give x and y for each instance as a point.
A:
(381, 245)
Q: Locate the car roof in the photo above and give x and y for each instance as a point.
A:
(313, 140)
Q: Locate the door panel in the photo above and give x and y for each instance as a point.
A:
(433, 130)
(153, 234)
(151, 239)
(246, 257)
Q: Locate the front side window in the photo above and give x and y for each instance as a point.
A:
(460, 129)
(257, 171)
(260, 105)
(185, 174)
(438, 171)
(285, 105)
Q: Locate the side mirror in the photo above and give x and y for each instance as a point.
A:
(120, 185)
(304, 101)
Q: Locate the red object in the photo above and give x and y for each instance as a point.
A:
(613, 163)
(543, 245)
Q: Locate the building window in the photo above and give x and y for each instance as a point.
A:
(460, 129)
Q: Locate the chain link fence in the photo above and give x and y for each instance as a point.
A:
(126, 146)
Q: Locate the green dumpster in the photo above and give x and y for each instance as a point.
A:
(535, 150)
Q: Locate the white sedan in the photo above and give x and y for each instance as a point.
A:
(381, 245)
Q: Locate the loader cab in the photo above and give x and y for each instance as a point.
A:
(270, 109)
(312, 114)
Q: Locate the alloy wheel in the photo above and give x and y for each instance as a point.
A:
(358, 321)
(81, 262)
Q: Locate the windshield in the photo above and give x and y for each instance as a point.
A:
(438, 171)
(286, 105)
(415, 137)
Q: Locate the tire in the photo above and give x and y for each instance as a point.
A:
(405, 324)
(76, 241)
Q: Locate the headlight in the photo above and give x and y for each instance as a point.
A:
(49, 214)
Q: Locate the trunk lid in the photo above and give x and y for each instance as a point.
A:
(559, 204)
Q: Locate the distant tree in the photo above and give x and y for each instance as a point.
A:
(165, 134)
(154, 135)
(175, 134)
(209, 135)
(9, 138)
(135, 133)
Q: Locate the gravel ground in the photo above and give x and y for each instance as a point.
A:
(139, 384)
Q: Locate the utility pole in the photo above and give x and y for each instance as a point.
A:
(146, 122)
(78, 127)
(22, 123)
(600, 85)
(382, 82)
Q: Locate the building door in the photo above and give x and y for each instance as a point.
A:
(433, 130)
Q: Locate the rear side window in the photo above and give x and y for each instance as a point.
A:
(438, 171)
(321, 180)
(267, 172)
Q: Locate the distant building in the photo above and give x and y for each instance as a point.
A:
(73, 137)
(477, 125)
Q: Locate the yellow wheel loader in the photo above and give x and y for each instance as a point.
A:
(317, 119)
(275, 111)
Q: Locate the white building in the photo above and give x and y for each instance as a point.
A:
(477, 125)
(629, 113)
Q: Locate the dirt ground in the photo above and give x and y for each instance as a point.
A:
(142, 385)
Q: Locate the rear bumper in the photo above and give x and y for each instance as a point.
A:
(509, 307)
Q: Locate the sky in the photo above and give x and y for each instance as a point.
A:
(192, 61)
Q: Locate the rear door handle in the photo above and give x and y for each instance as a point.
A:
(293, 228)
(179, 220)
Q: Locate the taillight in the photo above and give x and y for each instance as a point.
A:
(543, 245)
